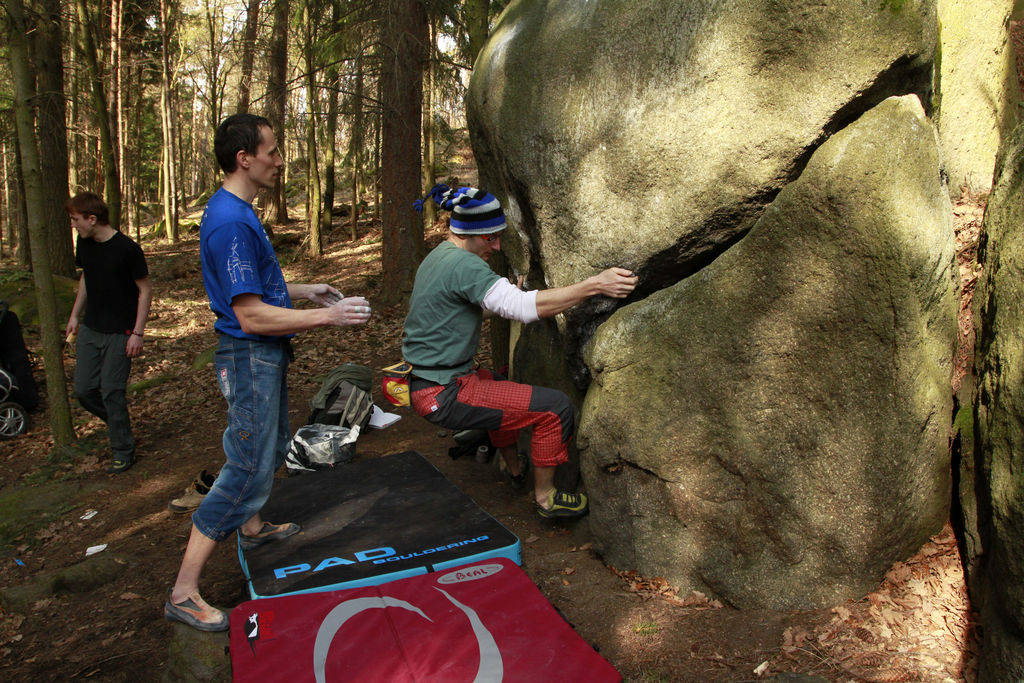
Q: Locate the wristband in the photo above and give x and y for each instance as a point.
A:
(135, 333)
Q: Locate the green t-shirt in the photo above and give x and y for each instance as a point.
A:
(442, 329)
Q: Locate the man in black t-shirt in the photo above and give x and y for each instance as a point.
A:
(115, 293)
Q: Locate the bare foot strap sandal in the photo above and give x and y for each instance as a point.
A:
(269, 532)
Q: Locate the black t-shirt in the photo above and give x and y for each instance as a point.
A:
(111, 269)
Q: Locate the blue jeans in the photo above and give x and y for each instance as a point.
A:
(102, 366)
(253, 378)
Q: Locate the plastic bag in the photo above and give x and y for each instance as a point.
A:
(319, 447)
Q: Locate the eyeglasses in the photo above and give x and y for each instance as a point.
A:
(490, 238)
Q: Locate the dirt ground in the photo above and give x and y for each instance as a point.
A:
(916, 626)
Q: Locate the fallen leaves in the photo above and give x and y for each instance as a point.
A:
(658, 587)
(86, 464)
(916, 627)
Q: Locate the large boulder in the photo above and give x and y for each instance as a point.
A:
(653, 133)
(775, 429)
(999, 422)
(977, 94)
(772, 410)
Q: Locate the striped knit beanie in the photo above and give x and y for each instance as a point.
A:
(474, 212)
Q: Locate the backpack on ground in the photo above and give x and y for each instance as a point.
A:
(344, 398)
(15, 360)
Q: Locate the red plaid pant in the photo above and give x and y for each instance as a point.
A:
(482, 400)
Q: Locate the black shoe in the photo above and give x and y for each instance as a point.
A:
(519, 480)
(121, 464)
(205, 480)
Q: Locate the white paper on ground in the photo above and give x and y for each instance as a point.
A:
(379, 419)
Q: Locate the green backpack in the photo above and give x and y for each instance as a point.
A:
(344, 397)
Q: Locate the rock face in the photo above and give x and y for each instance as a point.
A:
(977, 97)
(775, 428)
(652, 133)
(769, 413)
(999, 422)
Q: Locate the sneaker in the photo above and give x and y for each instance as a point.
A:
(194, 494)
(269, 532)
(564, 505)
(195, 612)
(122, 463)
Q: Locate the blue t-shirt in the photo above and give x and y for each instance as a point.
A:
(237, 258)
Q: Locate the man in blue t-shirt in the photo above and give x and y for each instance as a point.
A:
(255, 319)
(114, 292)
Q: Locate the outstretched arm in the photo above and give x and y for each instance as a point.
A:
(257, 317)
(320, 293)
(614, 282)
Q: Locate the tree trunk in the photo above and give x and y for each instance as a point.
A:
(277, 98)
(75, 137)
(56, 386)
(177, 158)
(87, 47)
(477, 25)
(23, 252)
(377, 174)
(313, 207)
(114, 59)
(167, 156)
(330, 157)
(197, 178)
(333, 86)
(52, 135)
(404, 38)
(429, 208)
(6, 233)
(128, 183)
(252, 25)
(137, 194)
(213, 85)
(356, 143)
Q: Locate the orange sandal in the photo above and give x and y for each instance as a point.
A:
(195, 612)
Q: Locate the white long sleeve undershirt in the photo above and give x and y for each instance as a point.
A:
(508, 301)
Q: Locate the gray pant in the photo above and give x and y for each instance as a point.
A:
(101, 377)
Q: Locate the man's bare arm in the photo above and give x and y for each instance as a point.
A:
(134, 345)
(257, 317)
(77, 308)
(614, 282)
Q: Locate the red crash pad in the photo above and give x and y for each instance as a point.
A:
(481, 622)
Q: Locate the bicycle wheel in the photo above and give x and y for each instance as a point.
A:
(13, 420)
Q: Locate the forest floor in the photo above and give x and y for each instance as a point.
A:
(916, 626)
